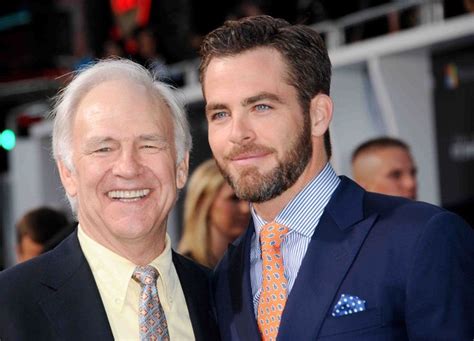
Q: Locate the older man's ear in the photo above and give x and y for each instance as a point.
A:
(182, 172)
(68, 178)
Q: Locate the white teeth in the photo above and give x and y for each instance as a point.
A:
(134, 194)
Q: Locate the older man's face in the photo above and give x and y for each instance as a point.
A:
(125, 178)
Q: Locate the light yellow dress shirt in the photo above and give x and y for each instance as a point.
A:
(120, 293)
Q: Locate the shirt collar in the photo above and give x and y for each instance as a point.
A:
(303, 212)
(117, 270)
(164, 264)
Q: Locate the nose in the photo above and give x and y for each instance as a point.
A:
(410, 186)
(241, 129)
(127, 164)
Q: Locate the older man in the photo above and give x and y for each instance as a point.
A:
(121, 142)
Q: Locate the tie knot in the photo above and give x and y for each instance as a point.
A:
(146, 275)
(272, 234)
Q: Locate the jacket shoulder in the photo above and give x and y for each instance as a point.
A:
(187, 264)
(23, 276)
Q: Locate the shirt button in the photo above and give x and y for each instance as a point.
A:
(118, 301)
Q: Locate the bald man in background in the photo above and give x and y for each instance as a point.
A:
(385, 165)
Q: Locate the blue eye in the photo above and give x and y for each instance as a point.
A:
(262, 107)
(219, 115)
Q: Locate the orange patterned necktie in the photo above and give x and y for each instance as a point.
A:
(274, 284)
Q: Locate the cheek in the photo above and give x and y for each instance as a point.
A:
(392, 185)
(92, 174)
(92, 178)
(400, 183)
(219, 213)
(232, 215)
(235, 208)
(216, 140)
(166, 176)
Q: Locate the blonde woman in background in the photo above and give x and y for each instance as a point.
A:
(213, 216)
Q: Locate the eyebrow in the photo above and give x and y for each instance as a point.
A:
(246, 101)
(260, 97)
(97, 140)
(215, 106)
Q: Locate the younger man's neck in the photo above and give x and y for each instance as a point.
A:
(270, 209)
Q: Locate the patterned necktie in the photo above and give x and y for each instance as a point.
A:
(151, 317)
(274, 284)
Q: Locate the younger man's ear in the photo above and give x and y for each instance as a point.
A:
(320, 110)
(182, 172)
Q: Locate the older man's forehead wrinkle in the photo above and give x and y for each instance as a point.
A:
(95, 141)
(154, 138)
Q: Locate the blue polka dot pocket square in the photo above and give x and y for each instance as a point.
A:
(348, 305)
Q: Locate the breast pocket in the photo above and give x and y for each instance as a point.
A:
(370, 318)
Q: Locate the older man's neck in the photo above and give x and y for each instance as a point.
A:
(140, 251)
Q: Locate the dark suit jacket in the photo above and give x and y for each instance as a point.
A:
(412, 262)
(55, 297)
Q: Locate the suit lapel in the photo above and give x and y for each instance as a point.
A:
(74, 306)
(240, 288)
(333, 248)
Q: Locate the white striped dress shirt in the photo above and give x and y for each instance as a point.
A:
(301, 215)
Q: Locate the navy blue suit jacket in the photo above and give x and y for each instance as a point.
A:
(55, 297)
(413, 264)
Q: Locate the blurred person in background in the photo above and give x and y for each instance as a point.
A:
(469, 6)
(385, 165)
(36, 229)
(119, 19)
(213, 216)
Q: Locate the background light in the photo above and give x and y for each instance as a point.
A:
(7, 139)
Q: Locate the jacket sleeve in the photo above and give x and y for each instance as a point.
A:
(440, 287)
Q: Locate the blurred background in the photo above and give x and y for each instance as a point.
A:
(400, 68)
